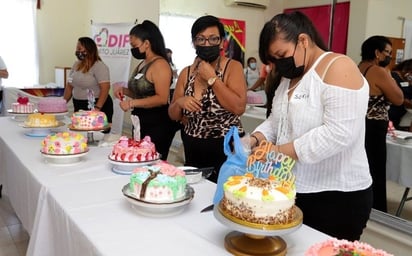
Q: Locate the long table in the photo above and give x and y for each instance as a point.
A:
(80, 210)
(399, 167)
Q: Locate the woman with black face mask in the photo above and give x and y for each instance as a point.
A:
(89, 73)
(383, 91)
(209, 98)
(148, 88)
(318, 119)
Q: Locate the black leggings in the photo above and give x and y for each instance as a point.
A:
(107, 107)
(339, 214)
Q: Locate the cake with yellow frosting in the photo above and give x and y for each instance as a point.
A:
(39, 120)
(64, 143)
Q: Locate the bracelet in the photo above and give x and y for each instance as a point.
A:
(130, 104)
(256, 138)
(97, 107)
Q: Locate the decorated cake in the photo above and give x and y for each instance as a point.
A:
(265, 194)
(89, 120)
(39, 120)
(254, 98)
(159, 183)
(52, 105)
(64, 143)
(335, 247)
(130, 150)
(22, 105)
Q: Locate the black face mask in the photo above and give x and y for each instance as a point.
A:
(385, 62)
(287, 68)
(80, 55)
(137, 54)
(208, 53)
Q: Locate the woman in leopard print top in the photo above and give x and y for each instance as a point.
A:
(209, 98)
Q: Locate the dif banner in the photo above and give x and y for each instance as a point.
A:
(235, 41)
(112, 41)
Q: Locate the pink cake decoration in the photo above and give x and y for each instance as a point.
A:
(335, 247)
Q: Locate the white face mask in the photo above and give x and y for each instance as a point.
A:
(252, 65)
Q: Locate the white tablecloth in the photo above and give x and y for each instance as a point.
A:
(399, 162)
(80, 209)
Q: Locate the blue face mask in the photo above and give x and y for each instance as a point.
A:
(252, 65)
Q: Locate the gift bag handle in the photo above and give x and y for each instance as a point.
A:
(232, 133)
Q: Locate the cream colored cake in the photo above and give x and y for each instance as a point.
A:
(159, 183)
(64, 143)
(259, 200)
(39, 120)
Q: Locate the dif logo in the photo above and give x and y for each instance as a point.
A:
(104, 39)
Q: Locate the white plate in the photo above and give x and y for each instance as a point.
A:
(63, 159)
(158, 209)
(126, 168)
(10, 111)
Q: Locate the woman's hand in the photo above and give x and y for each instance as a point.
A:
(125, 105)
(189, 103)
(118, 93)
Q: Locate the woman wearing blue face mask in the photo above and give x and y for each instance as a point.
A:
(209, 98)
(89, 73)
(251, 72)
(318, 118)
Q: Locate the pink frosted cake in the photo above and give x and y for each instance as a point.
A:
(129, 150)
(254, 98)
(52, 105)
(159, 183)
(89, 120)
(22, 105)
(64, 143)
(335, 247)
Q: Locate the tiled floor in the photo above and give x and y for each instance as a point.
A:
(14, 239)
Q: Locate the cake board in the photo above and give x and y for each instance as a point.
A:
(91, 141)
(256, 241)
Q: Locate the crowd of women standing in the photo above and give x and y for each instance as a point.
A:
(325, 109)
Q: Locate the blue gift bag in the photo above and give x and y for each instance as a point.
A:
(235, 163)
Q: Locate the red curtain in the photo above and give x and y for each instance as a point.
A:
(320, 16)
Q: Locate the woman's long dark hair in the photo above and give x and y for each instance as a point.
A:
(149, 31)
(92, 54)
(290, 26)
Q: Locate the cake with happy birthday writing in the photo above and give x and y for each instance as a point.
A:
(265, 194)
(158, 183)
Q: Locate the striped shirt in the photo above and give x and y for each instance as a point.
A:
(327, 126)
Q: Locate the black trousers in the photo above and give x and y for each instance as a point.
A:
(107, 107)
(375, 145)
(339, 214)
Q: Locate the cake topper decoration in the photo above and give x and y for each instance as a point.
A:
(91, 99)
(136, 127)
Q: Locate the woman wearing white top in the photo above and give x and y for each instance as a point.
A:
(251, 72)
(318, 118)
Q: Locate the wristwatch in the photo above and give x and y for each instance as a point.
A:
(211, 81)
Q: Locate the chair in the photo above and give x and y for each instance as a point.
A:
(403, 200)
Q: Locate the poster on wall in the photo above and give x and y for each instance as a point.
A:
(112, 40)
(234, 44)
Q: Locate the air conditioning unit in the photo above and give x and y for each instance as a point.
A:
(262, 4)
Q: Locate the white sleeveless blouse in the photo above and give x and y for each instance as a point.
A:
(327, 126)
